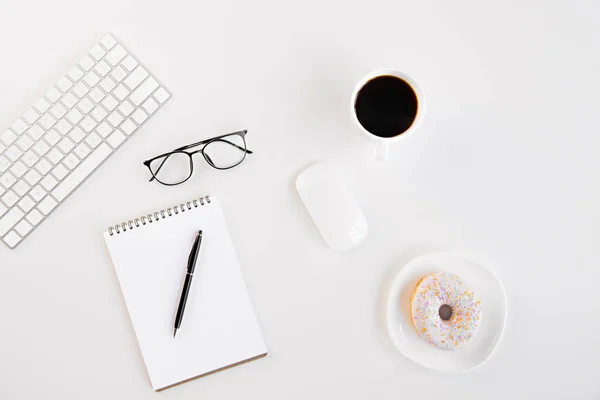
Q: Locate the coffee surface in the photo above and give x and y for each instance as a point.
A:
(386, 106)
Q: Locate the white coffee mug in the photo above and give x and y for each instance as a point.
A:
(382, 144)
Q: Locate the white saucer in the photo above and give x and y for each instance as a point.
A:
(486, 286)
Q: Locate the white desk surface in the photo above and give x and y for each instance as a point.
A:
(504, 168)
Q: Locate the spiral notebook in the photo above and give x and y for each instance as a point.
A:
(219, 329)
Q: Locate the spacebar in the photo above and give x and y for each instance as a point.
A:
(81, 172)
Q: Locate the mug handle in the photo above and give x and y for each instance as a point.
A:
(382, 150)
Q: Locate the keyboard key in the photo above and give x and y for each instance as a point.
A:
(71, 161)
(25, 142)
(3, 209)
(21, 188)
(35, 132)
(75, 73)
(52, 137)
(42, 105)
(161, 95)
(77, 134)
(110, 103)
(93, 140)
(23, 227)
(69, 100)
(64, 84)
(99, 113)
(47, 121)
(128, 127)
(96, 94)
(97, 52)
(12, 239)
(63, 126)
(78, 175)
(7, 179)
(41, 148)
(86, 63)
(116, 55)
(60, 172)
(53, 95)
(2, 147)
(74, 116)
(19, 126)
(129, 63)
(13, 153)
(18, 169)
(91, 79)
(26, 203)
(126, 108)
(49, 182)
(82, 151)
(85, 105)
(104, 129)
(34, 217)
(31, 116)
(136, 77)
(4, 164)
(119, 74)
(66, 145)
(55, 156)
(47, 205)
(115, 118)
(88, 124)
(116, 139)
(8, 137)
(150, 105)
(121, 92)
(108, 84)
(108, 42)
(102, 68)
(43, 166)
(58, 111)
(10, 198)
(139, 116)
(37, 193)
(32, 177)
(80, 89)
(30, 158)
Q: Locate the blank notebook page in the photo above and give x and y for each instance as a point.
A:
(219, 328)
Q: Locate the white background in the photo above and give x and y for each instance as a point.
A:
(503, 168)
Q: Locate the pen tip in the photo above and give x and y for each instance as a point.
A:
(174, 333)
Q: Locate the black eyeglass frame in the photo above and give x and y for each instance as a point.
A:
(204, 144)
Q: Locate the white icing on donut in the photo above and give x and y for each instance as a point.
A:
(432, 292)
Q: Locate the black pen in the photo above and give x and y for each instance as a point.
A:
(193, 257)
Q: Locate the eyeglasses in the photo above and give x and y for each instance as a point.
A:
(221, 152)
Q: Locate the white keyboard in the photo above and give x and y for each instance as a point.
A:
(60, 140)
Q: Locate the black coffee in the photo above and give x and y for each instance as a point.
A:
(386, 106)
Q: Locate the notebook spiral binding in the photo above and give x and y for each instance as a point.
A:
(157, 216)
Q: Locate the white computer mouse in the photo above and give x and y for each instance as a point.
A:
(331, 206)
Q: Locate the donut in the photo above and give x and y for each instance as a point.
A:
(444, 311)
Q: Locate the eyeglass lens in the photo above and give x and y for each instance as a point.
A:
(172, 169)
